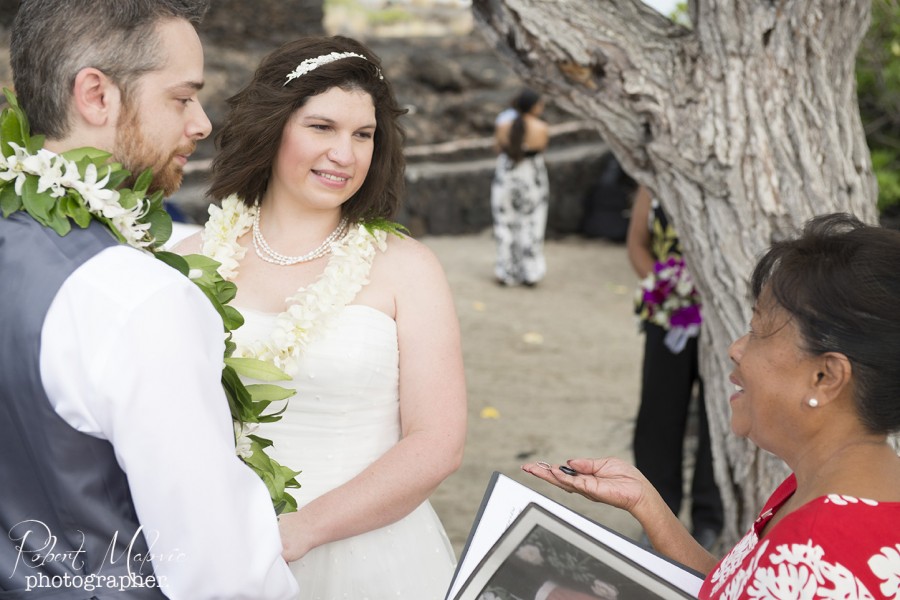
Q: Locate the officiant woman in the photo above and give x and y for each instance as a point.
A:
(817, 384)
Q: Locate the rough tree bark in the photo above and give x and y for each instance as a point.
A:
(744, 127)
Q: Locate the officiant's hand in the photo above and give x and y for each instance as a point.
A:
(620, 484)
(608, 480)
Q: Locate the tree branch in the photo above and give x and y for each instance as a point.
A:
(617, 61)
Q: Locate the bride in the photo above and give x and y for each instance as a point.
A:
(310, 166)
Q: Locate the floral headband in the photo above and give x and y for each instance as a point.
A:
(311, 64)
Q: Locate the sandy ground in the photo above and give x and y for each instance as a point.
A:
(552, 372)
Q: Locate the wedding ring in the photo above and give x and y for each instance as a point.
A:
(544, 465)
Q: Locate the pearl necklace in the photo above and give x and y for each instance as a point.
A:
(311, 309)
(265, 252)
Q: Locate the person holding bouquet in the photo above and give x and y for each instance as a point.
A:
(669, 309)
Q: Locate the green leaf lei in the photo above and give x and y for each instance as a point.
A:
(81, 185)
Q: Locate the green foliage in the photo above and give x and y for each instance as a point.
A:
(247, 402)
(39, 195)
(878, 87)
(681, 15)
(886, 164)
(385, 225)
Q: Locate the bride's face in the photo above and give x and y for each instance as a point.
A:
(326, 149)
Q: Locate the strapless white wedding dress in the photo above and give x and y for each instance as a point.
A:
(345, 415)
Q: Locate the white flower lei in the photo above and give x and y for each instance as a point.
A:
(56, 175)
(310, 309)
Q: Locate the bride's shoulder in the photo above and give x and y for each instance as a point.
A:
(406, 248)
(406, 256)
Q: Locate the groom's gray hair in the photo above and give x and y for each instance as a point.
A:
(52, 40)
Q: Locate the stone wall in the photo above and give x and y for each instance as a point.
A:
(242, 23)
(447, 195)
(237, 23)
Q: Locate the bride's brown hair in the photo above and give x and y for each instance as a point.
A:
(249, 139)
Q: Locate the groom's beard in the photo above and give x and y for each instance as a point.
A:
(136, 155)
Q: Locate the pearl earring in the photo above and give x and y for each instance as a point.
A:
(813, 403)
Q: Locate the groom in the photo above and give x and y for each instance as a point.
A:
(117, 461)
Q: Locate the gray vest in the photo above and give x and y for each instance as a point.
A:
(67, 521)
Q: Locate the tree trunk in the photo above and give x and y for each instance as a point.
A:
(743, 127)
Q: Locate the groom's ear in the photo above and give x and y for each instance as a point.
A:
(95, 98)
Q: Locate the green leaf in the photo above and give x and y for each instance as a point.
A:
(77, 211)
(225, 291)
(232, 318)
(37, 205)
(207, 267)
(276, 477)
(160, 225)
(34, 144)
(267, 392)
(385, 225)
(117, 177)
(128, 199)
(87, 155)
(254, 368)
(269, 417)
(10, 201)
(239, 399)
(263, 442)
(10, 97)
(230, 346)
(59, 221)
(10, 131)
(201, 261)
(156, 200)
(176, 261)
(143, 182)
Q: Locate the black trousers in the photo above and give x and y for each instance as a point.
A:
(666, 390)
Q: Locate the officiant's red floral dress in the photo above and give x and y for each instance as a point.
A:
(832, 547)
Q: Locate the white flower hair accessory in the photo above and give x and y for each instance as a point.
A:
(311, 64)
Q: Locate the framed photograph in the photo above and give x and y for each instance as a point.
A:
(541, 556)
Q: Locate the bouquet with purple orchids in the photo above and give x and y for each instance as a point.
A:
(667, 297)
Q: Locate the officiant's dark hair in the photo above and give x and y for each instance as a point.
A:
(839, 282)
(249, 139)
(52, 40)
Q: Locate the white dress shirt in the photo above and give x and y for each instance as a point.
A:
(131, 352)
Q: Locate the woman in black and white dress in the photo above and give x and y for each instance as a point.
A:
(520, 193)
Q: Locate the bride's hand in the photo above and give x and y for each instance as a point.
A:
(608, 480)
(296, 540)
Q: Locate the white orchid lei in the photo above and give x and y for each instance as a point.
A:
(76, 187)
(310, 309)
